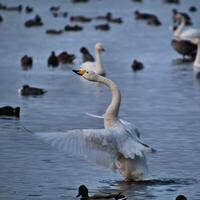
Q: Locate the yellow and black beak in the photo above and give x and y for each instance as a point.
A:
(80, 72)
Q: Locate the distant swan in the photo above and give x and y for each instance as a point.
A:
(96, 66)
(117, 146)
(181, 42)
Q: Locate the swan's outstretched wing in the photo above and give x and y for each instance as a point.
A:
(93, 144)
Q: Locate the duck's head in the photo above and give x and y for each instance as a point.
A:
(99, 47)
(88, 75)
(83, 50)
(82, 191)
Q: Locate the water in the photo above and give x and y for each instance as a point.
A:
(162, 101)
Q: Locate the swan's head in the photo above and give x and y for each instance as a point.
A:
(99, 47)
(88, 75)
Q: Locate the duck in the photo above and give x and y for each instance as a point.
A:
(73, 28)
(83, 193)
(193, 9)
(104, 17)
(108, 17)
(10, 111)
(102, 27)
(54, 32)
(79, 1)
(81, 19)
(97, 65)
(26, 61)
(14, 8)
(28, 9)
(143, 16)
(54, 8)
(181, 197)
(154, 21)
(172, 1)
(66, 58)
(175, 12)
(117, 146)
(37, 21)
(53, 60)
(137, 1)
(60, 14)
(137, 65)
(26, 90)
(86, 55)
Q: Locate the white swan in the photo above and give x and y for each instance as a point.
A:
(180, 33)
(96, 66)
(117, 146)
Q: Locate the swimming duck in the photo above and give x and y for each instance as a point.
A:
(80, 19)
(172, 1)
(86, 56)
(54, 32)
(154, 21)
(54, 8)
(103, 27)
(26, 90)
(26, 61)
(28, 9)
(83, 193)
(66, 58)
(73, 28)
(10, 111)
(187, 18)
(14, 8)
(37, 21)
(143, 16)
(136, 66)
(79, 1)
(53, 60)
(192, 8)
(181, 197)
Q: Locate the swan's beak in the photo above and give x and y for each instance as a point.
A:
(80, 72)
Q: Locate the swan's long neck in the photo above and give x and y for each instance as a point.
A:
(99, 66)
(111, 114)
(197, 59)
(180, 28)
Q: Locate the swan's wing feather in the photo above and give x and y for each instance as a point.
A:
(139, 146)
(93, 144)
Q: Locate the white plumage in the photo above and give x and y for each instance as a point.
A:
(117, 146)
(96, 66)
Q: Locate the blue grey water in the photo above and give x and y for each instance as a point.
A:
(163, 101)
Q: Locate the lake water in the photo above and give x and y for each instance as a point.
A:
(163, 101)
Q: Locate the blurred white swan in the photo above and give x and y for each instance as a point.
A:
(117, 146)
(180, 33)
(96, 66)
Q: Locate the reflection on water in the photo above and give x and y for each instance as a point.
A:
(162, 101)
